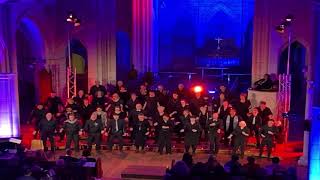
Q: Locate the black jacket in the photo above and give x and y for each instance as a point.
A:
(111, 127)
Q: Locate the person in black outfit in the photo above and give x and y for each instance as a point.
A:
(156, 122)
(224, 109)
(203, 120)
(264, 112)
(133, 118)
(180, 123)
(240, 135)
(162, 95)
(86, 110)
(214, 128)
(115, 129)
(94, 127)
(47, 127)
(150, 105)
(37, 115)
(254, 124)
(243, 106)
(229, 124)
(72, 128)
(166, 127)
(97, 87)
(192, 132)
(182, 92)
(174, 103)
(98, 100)
(268, 133)
(79, 98)
(264, 84)
(142, 131)
(196, 103)
(53, 103)
(131, 103)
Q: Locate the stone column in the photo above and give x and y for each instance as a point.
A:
(143, 49)
(261, 39)
(313, 81)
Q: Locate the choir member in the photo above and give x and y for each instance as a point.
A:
(268, 133)
(182, 92)
(131, 103)
(166, 126)
(196, 103)
(86, 110)
(98, 100)
(94, 127)
(97, 87)
(215, 129)
(192, 132)
(243, 106)
(254, 124)
(264, 112)
(47, 127)
(142, 131)
(101, 115)
(240, 135)
(150, 105)
(162, 95)
(53, 103)
(224, 109)
(264, 84)
(174, 103)
(157, 120)
(79, 98)
(37, 115)
(203, 120)
(115, 101)
(115, 129)
(230, 123)
(72, 129)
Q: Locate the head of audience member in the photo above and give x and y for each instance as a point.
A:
(53, 94)
(40, 106)
(251, 160)
(133, 96)
(187, 158)
(86, 153)
(180, 169)
(175, 95)
(233, 112)
(115, 116)
(72, 117)
(166, 117)
(138, 106)
(161, 109)
(243, 97)
(49, 116)
(263, 105)
(180, 87)
(255, 112)
(186, 112)
(120, 84)
(225, 104)
(242, 124)
(215, 116)
(275, 160)
(69, 152)
(152, 94)
(93, 117)
(80, 93)
(141, 117)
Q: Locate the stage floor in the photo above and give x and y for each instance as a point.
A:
(113, 163)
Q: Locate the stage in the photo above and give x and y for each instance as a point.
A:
(115, 163)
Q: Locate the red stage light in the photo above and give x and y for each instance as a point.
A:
(197, 89)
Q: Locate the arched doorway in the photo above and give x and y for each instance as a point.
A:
(298, 84)
(79, 57)
(30, 61)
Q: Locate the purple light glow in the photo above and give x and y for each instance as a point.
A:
(9, 109)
